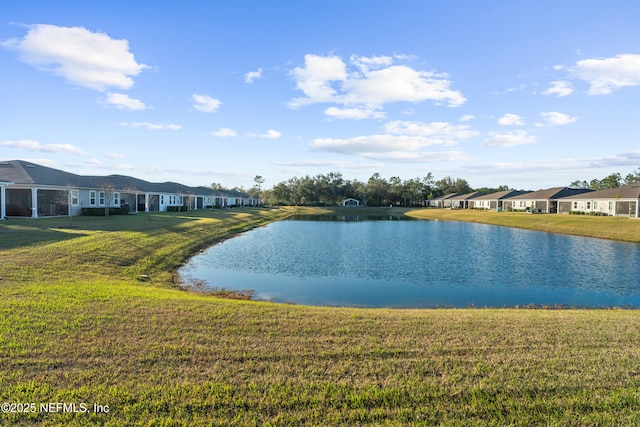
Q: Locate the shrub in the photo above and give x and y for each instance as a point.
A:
(176, 208)
(123, 210)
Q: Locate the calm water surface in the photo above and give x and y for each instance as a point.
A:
(415, 263)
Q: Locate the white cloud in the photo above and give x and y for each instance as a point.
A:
(511, 120)
(467, 118)
(369, 83)
(314, 79)
(354, 113)
(556, 118)
(365, 64)
(123, 102)
(30, 145)
(400, 83)
(442, 132)
(92, 162)
(608, 74)
(394, 148)
(271, 134)
(508, 139)
(560, 88)
(152, 126)
(252, 75)
(334, 164)
(85, 58)
(205, 103)
(112, 155)
(404, 141)
(223, 133)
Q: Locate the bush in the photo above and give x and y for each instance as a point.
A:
(123, 210)
(176, 208)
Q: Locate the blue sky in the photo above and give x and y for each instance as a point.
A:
(530, 94)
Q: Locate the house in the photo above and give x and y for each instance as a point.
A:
(495, 201)
(462, 201)
(624, 200)
(32, 190)
(351, 202)
(541, 201)
(441, 202)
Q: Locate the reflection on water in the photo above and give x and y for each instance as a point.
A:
(352, 217)
(358, 261)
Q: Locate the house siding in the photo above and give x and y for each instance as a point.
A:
(31, 190)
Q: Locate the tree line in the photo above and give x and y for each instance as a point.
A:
(331, 189)
(614, 180)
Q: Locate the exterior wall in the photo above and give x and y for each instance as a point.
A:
(624, 207)
(37, 201)
(167, 200)
(95, 199)
(485, 204)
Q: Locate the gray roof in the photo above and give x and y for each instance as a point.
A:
(27, 173)
(502, 195)
(624, 192)
(550, 193)
(467, 196)
(21, 172)
(445, 197)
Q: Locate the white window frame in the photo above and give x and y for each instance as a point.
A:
(74, 198)
(92, 198)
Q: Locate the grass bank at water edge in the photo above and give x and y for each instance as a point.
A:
(78, 327)
(614, 228)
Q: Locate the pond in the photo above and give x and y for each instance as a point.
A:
(388, 262)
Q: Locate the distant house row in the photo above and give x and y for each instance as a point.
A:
(620, 201)
(31, 190)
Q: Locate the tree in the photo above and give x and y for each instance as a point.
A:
(106, 196)
(377, 188)
(256, 191)
(632, 178)
(579, 184)
(217, 186)
(611, 181)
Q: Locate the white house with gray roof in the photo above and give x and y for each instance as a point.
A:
(495, 201)
(32, 190)
(623, 201)
(541, 201)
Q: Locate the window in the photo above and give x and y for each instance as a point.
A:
(102, 198)
(611, 206)
(575, 205)
(588, 205)
(92, 198)
(162, 200)
(74, 197)
(595, 205)
(116, 199)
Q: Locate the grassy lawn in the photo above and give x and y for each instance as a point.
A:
(77, 325)
(615, 228)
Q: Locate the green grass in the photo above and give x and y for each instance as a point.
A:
(77, 326)
(615, 228)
